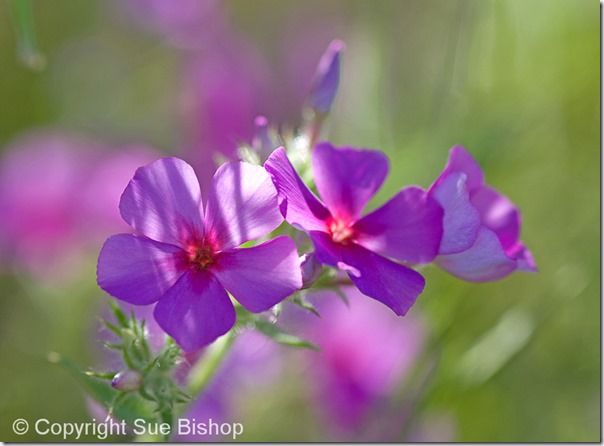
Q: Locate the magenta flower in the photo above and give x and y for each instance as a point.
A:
(406, 228)
(185, 257)
(57, 199)
(481, 234)
(366, 353)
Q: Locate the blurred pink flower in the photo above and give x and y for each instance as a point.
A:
(58, 197)
(187, 24)
(366, 352)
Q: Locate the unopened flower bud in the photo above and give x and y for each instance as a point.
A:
(127, 381)
(264, 141)
(327, 78)
(311, 269)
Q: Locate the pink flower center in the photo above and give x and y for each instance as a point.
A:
(340, 231)
(201, 255)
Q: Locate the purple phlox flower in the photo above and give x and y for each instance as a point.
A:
(57, 198)
(407, 228)
(481, 227)
(327, 78)
(184, 257)
(366, 353)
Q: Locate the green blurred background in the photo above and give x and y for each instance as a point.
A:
(514, 81)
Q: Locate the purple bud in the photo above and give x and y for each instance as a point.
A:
(327, 78)
(127, 381)
(263, 142)
(311, 269)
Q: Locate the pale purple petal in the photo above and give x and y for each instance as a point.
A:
(523, 257)
(461, 220)
(137, 269)
(195, 311)
(408, 227)
(498, 214)
(484, 261)
(242, 205)
(460, 160)
(163, 202)
(327, 78)
(347, 178)
(261, 276)
(300, 207)
(395, 285)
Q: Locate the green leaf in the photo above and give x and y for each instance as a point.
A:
(299, 300)
(278, 335)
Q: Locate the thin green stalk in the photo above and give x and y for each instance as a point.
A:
(204, 370)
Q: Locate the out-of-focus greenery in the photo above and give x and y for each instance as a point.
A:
(514, 81)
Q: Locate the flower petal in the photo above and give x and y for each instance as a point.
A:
(461, 220)
(460, 160)
(195, 311)
(498, 214)
(347, 178)
(484, 261)
(261, 276)
(408, 227)
(137, 269)
(242, 205)
(163, 202)
(300, 207)
(523, 257)
(395, 285)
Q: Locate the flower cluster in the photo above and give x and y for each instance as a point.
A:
(186, 257)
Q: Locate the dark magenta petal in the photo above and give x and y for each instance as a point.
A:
(261, 276)
(461, 161)
(299, 206)
(195, 311)
(327, 78)
(484, 261)
(498, 214)
(242, 205)
(347, 178)
(393, 284)
(408, 227)
(461, 220)
(137, 269)
(163, 202)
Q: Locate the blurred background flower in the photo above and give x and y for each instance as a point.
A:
(517, 82)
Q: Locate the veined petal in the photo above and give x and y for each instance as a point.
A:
(195, 311)
(242, 205)
(137, 269)
(395, 285)
(498, 214)
(299, 206)
(347, 178)
(484, 261)
(163, 202)
(261, 276)
(461, 220)
(408, 227)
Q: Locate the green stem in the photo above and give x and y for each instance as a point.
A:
(27, 45)
(204, 370)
